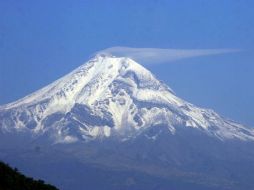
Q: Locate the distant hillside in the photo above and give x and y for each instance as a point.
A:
(12, 179)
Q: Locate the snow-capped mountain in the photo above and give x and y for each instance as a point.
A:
(110, 124)
(111, 97)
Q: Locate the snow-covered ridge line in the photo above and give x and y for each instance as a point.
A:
(111, 97)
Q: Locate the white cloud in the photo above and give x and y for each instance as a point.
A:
(156, 55)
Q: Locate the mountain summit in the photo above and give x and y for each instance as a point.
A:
(111, 97)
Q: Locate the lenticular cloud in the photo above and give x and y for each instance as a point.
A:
(156, 55)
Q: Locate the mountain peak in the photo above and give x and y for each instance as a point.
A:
(101, 70)
(111, 97)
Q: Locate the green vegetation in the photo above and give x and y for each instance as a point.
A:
(12, 179)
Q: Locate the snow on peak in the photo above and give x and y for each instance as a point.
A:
(111, 96)
(88, 81)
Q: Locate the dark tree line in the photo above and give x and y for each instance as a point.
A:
(12, 179)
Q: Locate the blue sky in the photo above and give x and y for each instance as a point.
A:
(43, 40)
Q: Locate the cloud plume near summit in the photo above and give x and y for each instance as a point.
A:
(157, 55)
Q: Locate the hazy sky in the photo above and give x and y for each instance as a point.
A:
(43, 40)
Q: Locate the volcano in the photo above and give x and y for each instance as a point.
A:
(110, 124)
